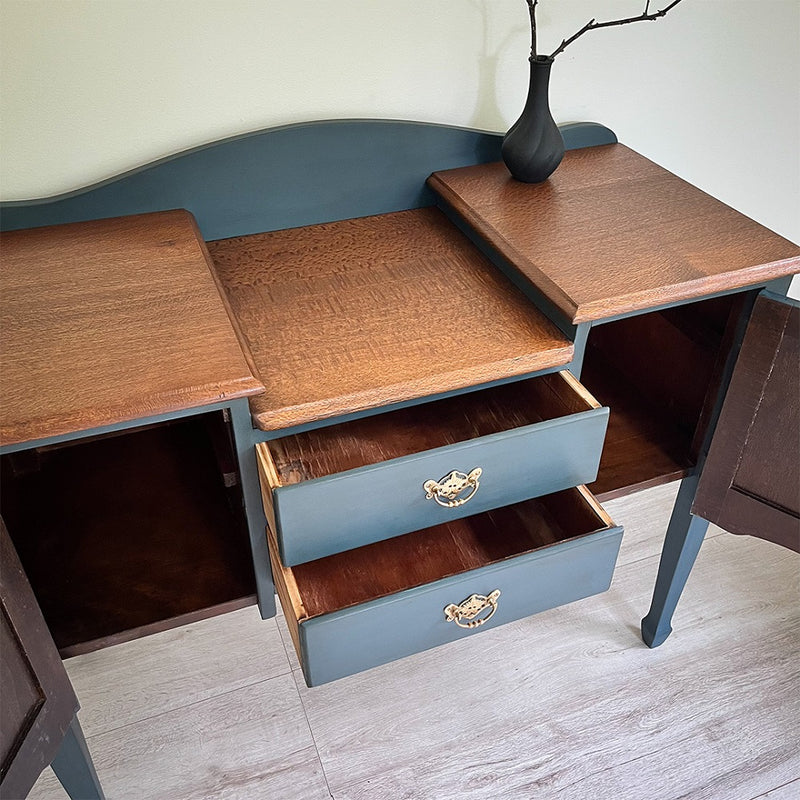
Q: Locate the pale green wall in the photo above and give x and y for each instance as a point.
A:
(91, 88)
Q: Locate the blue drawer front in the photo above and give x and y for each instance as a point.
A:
(351, 509)
(354, 639)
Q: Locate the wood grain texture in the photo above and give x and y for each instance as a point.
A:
(370, 440)
(789, 791)
(611, 232)
(109, 321)
(669, 364)
(751, 480)
(287, 591)
(352, 315)
(393, 565)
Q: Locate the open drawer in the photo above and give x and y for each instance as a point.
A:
(352, 611)
(354, 483)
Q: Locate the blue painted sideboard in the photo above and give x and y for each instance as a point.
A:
(388, 281)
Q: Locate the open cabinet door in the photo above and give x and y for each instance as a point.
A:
(750, 483)
(38, 725)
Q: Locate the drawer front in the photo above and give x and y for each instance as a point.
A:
(354, 639)
(354, 508)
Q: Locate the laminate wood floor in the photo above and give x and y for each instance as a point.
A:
(568, 704)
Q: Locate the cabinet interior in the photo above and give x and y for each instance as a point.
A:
(130, 533)
(659, 373)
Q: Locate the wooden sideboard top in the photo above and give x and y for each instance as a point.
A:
(108, 321)
(611, 232)
(345, 316)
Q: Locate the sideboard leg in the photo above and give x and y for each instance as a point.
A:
(74, 768)
(681, 546)
(256, 521)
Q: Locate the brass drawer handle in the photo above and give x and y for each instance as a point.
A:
(446, 490)
(470, 608)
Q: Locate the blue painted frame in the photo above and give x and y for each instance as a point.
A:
(74, 768)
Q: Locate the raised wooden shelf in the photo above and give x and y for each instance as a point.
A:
(354, 315)
(127, 534)
(611, 232)
(111, 321)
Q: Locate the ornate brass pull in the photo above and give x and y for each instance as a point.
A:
(470, 608)
(446, 491)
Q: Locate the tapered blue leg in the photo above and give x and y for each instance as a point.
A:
(681, 546)
(74, 768)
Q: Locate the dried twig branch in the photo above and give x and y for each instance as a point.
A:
(593, 25)
(532, 11)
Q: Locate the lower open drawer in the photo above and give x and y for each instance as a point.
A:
(355, 610)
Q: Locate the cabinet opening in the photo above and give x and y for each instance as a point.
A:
(659, 373)
(130, 533)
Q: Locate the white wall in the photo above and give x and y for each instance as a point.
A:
(91, 88)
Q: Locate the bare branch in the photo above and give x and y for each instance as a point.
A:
(593, 25)
(532, 11)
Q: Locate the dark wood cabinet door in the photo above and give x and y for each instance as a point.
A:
(38, 704)
(750, 483)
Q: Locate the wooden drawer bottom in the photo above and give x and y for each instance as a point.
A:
(355, 610)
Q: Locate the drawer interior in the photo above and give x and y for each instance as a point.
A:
(394, 565)
(370, 440)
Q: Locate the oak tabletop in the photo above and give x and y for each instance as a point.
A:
(353, 315)
(611, 232)
(109, 321)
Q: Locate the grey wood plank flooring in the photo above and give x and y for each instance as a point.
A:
(174, 669)
(568, 704)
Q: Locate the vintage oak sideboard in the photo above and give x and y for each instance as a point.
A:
(429, 353)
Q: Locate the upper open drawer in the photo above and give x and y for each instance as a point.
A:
(347, 485)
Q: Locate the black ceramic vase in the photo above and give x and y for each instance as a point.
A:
(533, 146)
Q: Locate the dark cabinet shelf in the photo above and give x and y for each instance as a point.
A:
(129, 534)
(659, 374)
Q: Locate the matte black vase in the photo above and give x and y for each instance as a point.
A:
(533, 146)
